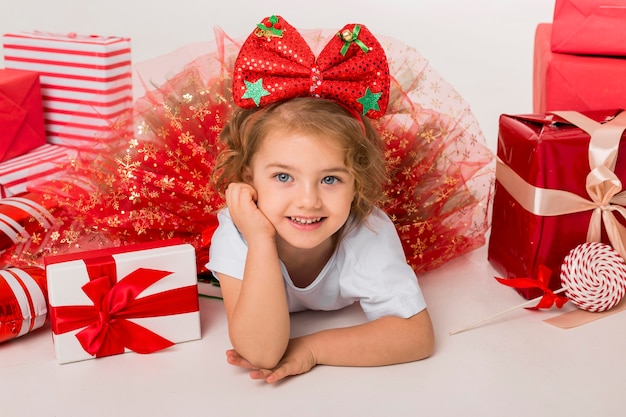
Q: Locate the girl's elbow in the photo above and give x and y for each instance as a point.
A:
(263, 359)
(425, 345)
(260, 354)
(266, 363)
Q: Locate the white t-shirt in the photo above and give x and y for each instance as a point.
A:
(368, 266)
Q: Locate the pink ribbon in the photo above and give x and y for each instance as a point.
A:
(606, 198)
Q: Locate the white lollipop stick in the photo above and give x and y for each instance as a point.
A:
(485, 320)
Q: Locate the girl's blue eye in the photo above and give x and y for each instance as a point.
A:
(283, 177)
(330, 180)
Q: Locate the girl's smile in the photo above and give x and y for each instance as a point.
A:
(307, 222)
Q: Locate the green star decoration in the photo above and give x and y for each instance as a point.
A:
(255, 91)
(369, 101)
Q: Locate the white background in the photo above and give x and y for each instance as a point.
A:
(514, 366)
(482, 47)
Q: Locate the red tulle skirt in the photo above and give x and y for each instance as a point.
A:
(147, 176)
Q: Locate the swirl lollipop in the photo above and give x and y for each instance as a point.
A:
(594, 276)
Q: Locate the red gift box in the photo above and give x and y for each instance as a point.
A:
(21, 113)
(86, 81)
(575, 82)
(589, 27)
(552, 193)
(140, 298)
(23, 305)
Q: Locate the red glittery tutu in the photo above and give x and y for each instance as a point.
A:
(147, 176)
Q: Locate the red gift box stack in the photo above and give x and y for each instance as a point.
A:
(580, 58)
(57, 92)
(25, 155)
(86, 80)
(560, 170)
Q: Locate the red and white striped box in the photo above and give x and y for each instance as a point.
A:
(44, 162)
(86, 81)
(23, 301)
(26, 222)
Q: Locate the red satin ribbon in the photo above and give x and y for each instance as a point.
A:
(548, 299)
(107, 330)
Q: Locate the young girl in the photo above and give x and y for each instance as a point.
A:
(302, 230)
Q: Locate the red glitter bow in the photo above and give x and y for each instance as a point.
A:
(275, 63)
(548, 299)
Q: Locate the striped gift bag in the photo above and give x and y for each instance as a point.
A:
(23, 301)
(45, 162)
(86, 81)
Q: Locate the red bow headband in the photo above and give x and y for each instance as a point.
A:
(275, 63)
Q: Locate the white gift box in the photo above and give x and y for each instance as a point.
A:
(45, 162)
(67, 274)
(86, 81)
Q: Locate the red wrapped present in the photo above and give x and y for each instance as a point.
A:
(86, 80)
(42, 163)
(21, 113)
(23, 305)
(575, 82)
(558, 185)
(140, 298)
(589, 27)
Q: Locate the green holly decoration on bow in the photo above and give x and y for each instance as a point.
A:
(268, 31)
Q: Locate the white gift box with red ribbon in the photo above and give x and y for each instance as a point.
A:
(86, 81)
(140, 298)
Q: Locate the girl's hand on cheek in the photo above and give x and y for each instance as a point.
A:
(251, 222)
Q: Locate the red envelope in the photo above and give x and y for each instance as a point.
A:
(21, 113)
(594, 27)
(575, 82)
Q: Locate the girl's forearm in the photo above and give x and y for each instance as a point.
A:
(386, 341)
(259, 326)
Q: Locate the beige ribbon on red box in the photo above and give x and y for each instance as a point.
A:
(603, 187)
